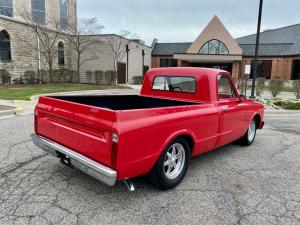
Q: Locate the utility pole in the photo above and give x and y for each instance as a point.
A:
(256, 50)
(143, 58)
(127, 61)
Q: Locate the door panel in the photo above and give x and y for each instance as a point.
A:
(231, 121)
(232, 114)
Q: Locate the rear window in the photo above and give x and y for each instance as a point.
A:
(174, 84)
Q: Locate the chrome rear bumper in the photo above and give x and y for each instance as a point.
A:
(79, 161)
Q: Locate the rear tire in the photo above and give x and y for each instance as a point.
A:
(249, 136)
(172, 165)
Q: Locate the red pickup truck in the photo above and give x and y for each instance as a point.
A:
(180, 113)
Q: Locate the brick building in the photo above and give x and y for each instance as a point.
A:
(279, 52)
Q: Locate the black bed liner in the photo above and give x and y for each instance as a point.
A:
(123, 102)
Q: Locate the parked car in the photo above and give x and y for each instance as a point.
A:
(180, 113)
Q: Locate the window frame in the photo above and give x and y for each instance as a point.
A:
(208, 48)
(233, 89)
(60, 50)
(170, 62)
(174, 76)
(62, 18)
(8, 7)
(7, 49)
(38, 11)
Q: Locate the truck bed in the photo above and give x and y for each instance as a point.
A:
(122, 102)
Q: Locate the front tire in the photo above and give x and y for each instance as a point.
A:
(172, 165)
(249, 137)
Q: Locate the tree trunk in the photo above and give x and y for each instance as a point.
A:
(116, 71)
(50, 65)
(78, 68)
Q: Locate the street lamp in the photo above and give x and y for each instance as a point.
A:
(256, 49)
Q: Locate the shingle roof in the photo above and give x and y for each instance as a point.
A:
(267, 49)
(283, 41)
(170, 48)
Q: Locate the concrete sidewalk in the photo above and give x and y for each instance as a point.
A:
(19, 107)
(6, 112)
(283, 95)
(27, 107)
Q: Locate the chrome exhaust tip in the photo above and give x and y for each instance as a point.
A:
(129, 184)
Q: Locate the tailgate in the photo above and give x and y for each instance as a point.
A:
(82, 128)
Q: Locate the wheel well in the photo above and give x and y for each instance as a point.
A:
(257, 120)
(189, 140)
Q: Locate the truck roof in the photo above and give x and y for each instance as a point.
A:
(206, 83)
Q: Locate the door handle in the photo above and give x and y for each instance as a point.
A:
(225, 108)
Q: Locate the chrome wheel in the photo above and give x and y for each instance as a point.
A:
(174, 161)
(251, 131)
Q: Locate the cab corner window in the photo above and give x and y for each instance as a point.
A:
(174, 84)
(225, 88)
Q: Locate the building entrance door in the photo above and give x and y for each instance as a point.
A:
(296, 70)
(121, 73)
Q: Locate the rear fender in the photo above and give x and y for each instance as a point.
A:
(176, 134)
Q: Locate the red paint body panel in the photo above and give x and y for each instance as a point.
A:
(144, 133)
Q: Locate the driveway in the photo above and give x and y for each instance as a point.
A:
(232, 185)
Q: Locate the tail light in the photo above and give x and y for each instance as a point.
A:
(115, 140)
(35, 120)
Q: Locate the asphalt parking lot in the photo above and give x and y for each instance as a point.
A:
(232, 185)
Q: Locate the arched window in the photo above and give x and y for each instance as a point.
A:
(5, 51)
(6, 8)
(61, 54)
(38, 8)
(64, 11)
(214, 47)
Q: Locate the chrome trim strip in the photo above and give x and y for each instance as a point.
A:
(79, 161)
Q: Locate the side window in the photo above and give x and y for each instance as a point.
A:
(225, 88)
(159, 83)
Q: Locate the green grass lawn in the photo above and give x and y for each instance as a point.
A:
(24, 92)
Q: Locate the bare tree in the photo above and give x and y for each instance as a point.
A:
(46, 45)
(82, 39)
(118, 45)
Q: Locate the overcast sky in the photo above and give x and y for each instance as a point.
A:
(183, 20)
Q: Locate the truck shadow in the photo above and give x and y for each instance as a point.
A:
(207, 160)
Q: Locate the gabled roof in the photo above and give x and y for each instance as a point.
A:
(215, 29)
(169, 49)
(282, 41)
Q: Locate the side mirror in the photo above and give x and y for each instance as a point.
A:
(242, 98)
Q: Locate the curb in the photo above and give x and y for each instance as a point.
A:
(18, 111)
(7, 114)
(282, 113)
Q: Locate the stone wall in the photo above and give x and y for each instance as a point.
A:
(22, 7)
(26, 58)
(23, 57)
